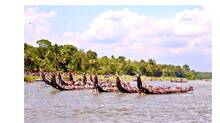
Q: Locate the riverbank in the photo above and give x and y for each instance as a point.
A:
(31, 78)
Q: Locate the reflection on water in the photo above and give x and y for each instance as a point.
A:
(47, 105)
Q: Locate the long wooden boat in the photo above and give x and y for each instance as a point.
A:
(70, 82)
(160, 90)
(122, 89)
(70, 87)
(45, 79)
(57, 83)
(51, 81)
(99, 88)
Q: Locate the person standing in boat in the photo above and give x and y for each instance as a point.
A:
(94, 80)
(84, 79)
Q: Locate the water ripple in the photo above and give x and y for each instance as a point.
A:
(46, 105)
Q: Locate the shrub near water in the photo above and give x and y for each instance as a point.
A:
(30, 78)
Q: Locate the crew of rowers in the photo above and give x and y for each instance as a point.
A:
(109, 86)
(180, 81)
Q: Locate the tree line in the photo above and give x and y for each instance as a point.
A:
(203, 75)
(68, 58)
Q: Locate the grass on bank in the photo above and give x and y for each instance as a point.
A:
(30, 78)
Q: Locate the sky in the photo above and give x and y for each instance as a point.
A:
(175, 35)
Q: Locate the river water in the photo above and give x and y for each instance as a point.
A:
(43, 104)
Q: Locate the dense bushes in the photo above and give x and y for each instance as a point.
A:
(48, 57)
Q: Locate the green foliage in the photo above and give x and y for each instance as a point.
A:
(44, 43)
(204, 75)
(67, 58)
(190, 75)
(30, 78)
